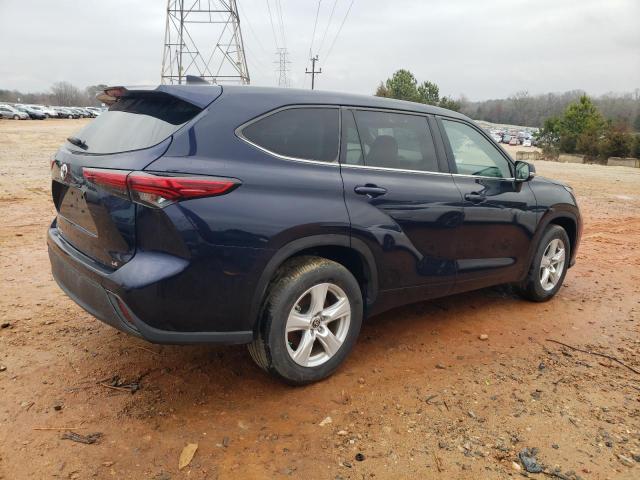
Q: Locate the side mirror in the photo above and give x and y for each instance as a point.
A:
(524, 171)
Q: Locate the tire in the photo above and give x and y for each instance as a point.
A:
(534, 287)
(16, 117)
(293, 299)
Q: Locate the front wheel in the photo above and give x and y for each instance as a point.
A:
(310, 321)
(549, 266)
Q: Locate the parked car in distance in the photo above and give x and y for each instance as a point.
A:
(32, 113)
(496, 138)
(95, 111)
(526, 142)
(513, 141)
(78, 112)
(49, 110)
(281, 218)
(8, 111)
(39, 108)
(87, 113)
(506, 138)
(64, 112)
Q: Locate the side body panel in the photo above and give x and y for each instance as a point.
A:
(496, 233)
(558, 205)
(408, 228)
(500, 219)
(230, 239)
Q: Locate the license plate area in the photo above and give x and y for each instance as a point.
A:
(73, 207)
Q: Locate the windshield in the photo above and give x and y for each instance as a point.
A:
(136, 122)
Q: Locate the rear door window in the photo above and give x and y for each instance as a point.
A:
(396, 140)
(305, 133)
(136, 122)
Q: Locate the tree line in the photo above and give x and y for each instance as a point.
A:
(582, 128)
(532, 110)
(403, 85)
(570, 122)
(62, 94)
(518, 109)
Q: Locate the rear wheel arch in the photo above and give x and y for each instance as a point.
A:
(351, 253)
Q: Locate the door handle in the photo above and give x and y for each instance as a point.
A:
(475, 197)
(370, 190)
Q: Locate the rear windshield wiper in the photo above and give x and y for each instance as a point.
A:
(77, 142)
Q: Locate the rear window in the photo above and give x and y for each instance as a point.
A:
(137, 122)
(303, 133)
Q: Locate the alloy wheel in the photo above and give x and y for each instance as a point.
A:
(318, 324)
(552, 264)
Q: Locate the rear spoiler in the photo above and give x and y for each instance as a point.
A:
(199, 95)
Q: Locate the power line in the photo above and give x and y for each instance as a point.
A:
(254, 59)
(313, 36)
(315, 25)
(326, 58)
(282, 29)
(324, 36)
(273, 29)
(253, 32)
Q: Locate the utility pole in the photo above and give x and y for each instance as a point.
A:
(283, 70)
(313, 71)
(203, 39)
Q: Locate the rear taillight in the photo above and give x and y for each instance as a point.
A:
(114, 181)
(160, 190)
(157, 189)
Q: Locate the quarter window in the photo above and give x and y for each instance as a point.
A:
(394, 140)
(474, 154)
(304, 133)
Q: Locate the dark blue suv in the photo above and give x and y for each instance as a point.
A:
(280, 218)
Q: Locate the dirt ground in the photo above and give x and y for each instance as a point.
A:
(421, 396)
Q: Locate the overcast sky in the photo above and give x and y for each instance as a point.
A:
(479, 48)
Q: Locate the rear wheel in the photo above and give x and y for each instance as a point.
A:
(16, 117)
(549, 266)
(310, 321)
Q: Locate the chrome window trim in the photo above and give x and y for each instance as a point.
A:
(422, 172)
(389, 169)
(507, 179)
(335, 162)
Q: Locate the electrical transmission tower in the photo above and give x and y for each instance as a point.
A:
(283, 69)
(203, 39)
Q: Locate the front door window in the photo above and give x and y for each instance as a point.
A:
(474, 154)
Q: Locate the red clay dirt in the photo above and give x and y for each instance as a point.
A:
(421, 396)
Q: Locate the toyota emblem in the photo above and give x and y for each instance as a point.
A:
(64, 170)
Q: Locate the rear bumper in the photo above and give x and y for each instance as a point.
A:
(108, 295)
